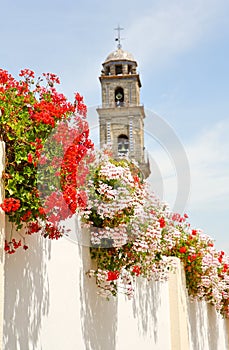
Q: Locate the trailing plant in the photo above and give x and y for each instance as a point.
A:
(31, 114)
(125, 234)
(134, 234)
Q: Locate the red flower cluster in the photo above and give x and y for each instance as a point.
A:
(26, 216)
(81, 108)
(27, 73)
(36, 109)
(10, 204)
(5, 78)
(112, 275)
(220, 258)
(179, 218)
(52, 232)
(183, 250)
(51, 110)
(225, 268)
(51, 78)
(192, 257)
(33, 227)
(162, 222)
(10, 247)
(137, 270)
(30, 158)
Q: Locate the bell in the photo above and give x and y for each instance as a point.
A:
(119, 96)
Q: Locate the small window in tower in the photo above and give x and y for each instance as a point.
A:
(107, 72)
(129, 69)
(118, 69)
(119, 97)
(123, 144)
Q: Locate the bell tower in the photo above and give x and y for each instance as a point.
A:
(121, 116)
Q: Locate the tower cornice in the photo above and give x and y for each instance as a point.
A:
(123, 76)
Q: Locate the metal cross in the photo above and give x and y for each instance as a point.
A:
(119, 37)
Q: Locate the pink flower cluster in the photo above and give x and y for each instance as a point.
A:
(138, 235)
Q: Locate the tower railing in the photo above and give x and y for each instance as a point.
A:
(119, 105)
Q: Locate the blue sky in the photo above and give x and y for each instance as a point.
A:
(182, 49)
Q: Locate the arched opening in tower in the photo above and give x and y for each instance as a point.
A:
(118, 69)
(123, 144)
(119, 96)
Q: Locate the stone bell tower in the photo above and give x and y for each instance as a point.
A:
(121, 116)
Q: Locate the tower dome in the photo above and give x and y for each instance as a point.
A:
(119, 55)
(119, 62)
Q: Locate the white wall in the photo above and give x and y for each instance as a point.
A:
(144, 322)
(178, 309)
(51, 304)
(207, 329)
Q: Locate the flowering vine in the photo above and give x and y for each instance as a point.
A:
(125, 240)
(29, 113)
(142, 240)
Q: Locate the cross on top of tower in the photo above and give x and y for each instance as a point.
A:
(119, 37)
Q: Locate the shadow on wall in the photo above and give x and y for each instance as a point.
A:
(204, 327)
(98, 315)
(146, 305)
(197, 327)
(213, 327)
(2, 239)
(26, 294)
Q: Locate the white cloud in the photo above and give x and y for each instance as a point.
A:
(172, 28)
(209, 200)
(209, 163)
(208, 160)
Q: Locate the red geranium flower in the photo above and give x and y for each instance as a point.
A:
(30, 158)
(183, 250)
(162, 222)
(10, 204)
(137, 270)
(112, 275)
(26, 216)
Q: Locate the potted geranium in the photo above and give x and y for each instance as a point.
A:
(30, 111)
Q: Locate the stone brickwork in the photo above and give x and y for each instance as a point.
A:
(123, 115)
(130, 85)
(119, 119)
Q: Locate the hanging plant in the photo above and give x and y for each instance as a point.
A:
(134, 234)
(125, 235)
(29, 112)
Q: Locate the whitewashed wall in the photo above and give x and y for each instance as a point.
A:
(50, 304)
(2, 239)
(208, 331)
